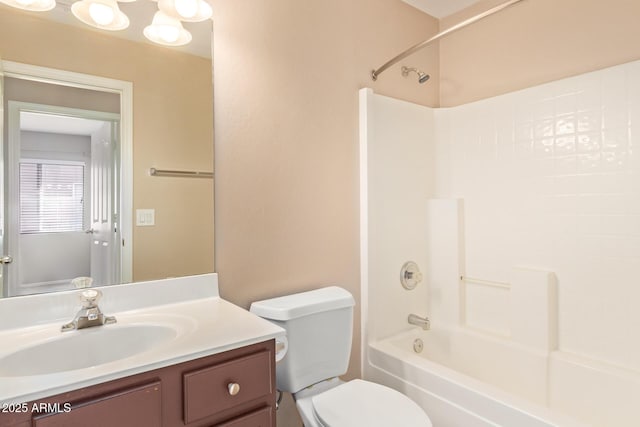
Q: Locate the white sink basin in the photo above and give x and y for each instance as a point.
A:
(85, 348)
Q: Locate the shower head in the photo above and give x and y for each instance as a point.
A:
(422, 77)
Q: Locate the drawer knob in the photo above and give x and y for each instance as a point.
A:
(234, 388)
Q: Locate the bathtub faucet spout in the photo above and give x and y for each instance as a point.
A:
(423, 322)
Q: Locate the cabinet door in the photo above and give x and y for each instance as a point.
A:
(259, 418)
(139, 406)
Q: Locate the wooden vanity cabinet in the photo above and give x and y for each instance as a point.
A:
(231, 389)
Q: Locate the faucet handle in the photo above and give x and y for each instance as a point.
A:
(410, 275)
(90, 297)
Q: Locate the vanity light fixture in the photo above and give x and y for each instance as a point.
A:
(31, 5)
(186, 10)
(102, 14)
(167, 30)
(166, 27)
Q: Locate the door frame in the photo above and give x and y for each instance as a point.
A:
(3, 291)
(102, 84)
(12, 196)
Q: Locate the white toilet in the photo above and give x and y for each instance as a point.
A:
(319, 327)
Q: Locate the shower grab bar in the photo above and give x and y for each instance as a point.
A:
(421, 45)
(491, 283)
(177, 173)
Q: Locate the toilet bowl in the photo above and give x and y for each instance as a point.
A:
(319, 327)
(361, 403)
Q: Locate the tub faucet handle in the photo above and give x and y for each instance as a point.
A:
(410, 275)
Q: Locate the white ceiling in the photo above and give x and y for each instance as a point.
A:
(50, 123)
(140, 14)
(440, 8)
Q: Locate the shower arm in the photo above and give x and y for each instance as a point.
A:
(441, 34)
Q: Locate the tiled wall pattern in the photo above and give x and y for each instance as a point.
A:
(550, 178)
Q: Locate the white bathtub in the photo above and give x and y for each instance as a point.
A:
(466, 379)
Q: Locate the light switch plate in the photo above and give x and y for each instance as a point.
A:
(145, 217)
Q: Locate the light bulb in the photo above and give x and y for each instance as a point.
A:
(186, 8)
(31, 5)
(167, 30)
(167, 33)
(101, 13)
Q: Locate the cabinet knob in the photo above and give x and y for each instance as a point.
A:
(234, 388)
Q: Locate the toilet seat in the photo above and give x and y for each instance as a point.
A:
(362, 403)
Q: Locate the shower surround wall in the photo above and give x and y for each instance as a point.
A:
(400, 177)
(550, 178)
(544, 181)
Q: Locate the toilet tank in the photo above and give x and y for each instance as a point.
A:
(319, 327)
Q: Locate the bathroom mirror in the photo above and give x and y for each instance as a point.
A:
(159, 226)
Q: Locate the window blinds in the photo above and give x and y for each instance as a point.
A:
(51, 196)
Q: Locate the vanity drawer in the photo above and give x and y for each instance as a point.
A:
(259, 418)
(139, 406)
(222, 386)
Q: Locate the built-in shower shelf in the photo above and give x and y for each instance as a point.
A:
(523, 309)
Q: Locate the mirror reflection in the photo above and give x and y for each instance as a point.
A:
(79, 205)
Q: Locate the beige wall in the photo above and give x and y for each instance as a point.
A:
(287, 74)
(172, 130)
(534, 42)
(286, 81)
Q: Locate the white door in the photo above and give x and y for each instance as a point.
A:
(104, 231)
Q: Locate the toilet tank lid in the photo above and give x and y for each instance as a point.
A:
(303, 304)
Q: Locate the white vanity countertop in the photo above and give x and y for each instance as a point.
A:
(205, 325)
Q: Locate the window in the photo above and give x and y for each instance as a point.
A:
(51, 196)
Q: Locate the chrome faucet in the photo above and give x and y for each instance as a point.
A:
(423, 322)
(90, 314)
